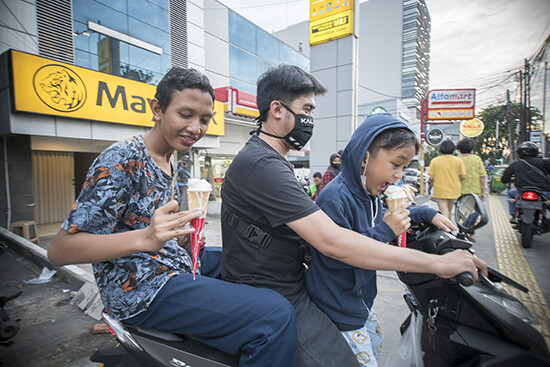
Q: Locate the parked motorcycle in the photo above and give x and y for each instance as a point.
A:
(467, 323)
(532, 214)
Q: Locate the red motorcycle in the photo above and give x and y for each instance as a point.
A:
(532, 214)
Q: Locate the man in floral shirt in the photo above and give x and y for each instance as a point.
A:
(127, 225)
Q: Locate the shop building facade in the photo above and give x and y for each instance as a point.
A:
(122, 48)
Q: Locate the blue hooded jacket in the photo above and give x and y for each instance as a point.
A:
(343, 292)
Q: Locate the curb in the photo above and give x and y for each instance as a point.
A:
(72, 273)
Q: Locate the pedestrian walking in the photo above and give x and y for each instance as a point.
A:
(446, 173)
(476, 176)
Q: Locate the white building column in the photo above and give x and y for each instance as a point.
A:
(335, 65)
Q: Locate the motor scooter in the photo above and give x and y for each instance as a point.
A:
(466, 324)
(532, 214)
(469, 323)
(152, 348)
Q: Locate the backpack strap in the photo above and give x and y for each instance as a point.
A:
(537, 171)
(264, 239)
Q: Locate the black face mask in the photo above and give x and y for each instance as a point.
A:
(300, 135)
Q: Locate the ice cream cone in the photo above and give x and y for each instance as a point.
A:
(198, 200)
(198, 193)
(396, 197)
(393, 204)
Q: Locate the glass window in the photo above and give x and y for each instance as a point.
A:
(165, 63)
(287, 55)
(161, 3)
(84, 59)
(242, 33)
(124, 52)
(303, 62)
(84, 10)
(119, 5)
(138, 74)
(261, 67)
(268, 47)
(144, 59)
(242, 66)
(150, 14)
(147, 33)
(242, 86)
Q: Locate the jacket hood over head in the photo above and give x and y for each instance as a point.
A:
(360, 141)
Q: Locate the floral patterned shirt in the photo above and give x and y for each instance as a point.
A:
(123, 188)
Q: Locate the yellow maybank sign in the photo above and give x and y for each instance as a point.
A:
(50, 87)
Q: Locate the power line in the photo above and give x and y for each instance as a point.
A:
(377, 92)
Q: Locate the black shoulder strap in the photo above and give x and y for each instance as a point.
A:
(537, 170)
(264, 239)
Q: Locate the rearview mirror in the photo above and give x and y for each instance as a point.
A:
(470, 213)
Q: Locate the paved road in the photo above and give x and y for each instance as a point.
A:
(52, 332)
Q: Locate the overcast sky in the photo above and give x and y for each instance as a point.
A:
(474, 43)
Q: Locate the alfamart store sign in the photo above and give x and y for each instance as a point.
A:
(50, 87)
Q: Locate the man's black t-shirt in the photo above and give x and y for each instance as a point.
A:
(524, 175)
(260, 188)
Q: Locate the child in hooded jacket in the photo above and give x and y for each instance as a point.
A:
(374, 158)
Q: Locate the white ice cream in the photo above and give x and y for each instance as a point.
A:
(394, 192)
(195, 184)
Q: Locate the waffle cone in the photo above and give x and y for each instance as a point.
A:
(198, 200)
(395, 203)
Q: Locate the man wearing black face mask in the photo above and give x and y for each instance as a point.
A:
(267, 219)
(260, 195)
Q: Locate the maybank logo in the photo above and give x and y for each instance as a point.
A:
(59, 88)
(48, 87)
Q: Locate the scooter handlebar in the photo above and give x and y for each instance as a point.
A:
(466, 279)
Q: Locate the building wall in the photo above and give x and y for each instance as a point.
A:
(18, 28)
(380, 50)
(20, 205)
(216, 37)
(195, 34)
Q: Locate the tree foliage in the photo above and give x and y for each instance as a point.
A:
(496, 149)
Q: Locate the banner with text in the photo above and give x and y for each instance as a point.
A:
(50, 87)
(451, 104)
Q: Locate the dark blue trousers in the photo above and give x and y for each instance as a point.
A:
(257, 323)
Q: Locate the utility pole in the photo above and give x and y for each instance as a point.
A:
(511, 129)
(527, 91)
(521, 108)
(544, 136)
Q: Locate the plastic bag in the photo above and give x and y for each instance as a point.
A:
(408, 351)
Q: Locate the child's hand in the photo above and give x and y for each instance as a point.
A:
(399, 221)
(442, 222)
